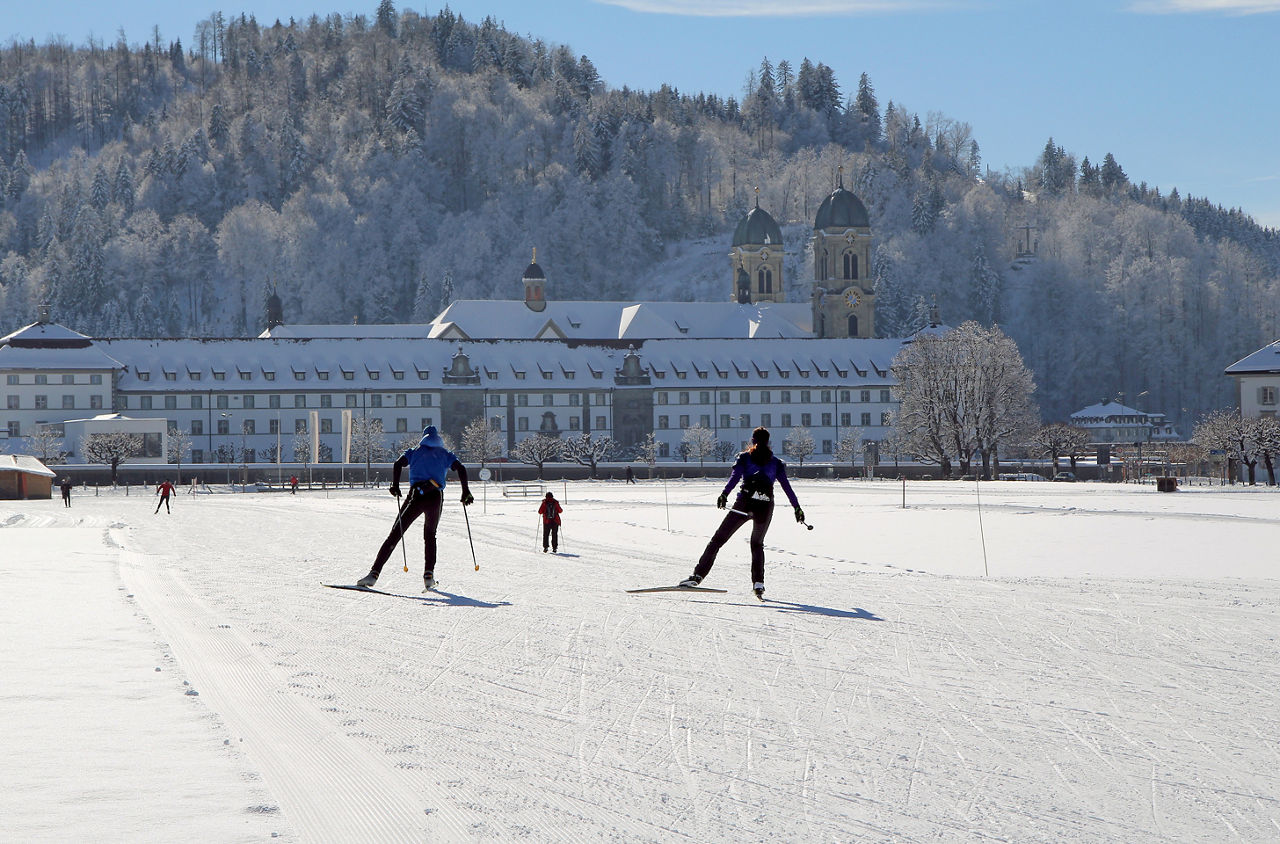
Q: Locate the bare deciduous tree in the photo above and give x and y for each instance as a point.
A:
(110, 449)
(538, 450)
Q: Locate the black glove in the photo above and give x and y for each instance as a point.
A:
(723, 501)
(799, 514)
(395, 490)
(467, 498)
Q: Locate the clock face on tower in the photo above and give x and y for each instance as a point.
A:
(851, 298)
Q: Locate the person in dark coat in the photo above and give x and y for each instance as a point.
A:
(758, 468)
(550, 511)
(65, 486)
(631, 476)
(429, 463)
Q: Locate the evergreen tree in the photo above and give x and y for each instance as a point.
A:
(868, 110)
(1111, 175)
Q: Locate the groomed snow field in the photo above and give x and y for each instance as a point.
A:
(937, 662)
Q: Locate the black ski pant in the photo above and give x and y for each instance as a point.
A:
(425, 502)
(745, 509)
(550, 530)
(164, 499)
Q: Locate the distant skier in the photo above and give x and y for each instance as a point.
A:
(164, 491)
(65, 486)
(429, 463)
(757, 468)
(293, 484)
(550, 511)
(631, 476)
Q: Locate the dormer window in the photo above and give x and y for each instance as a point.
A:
(268, 374)
(423, 373)
(397, 374)
(219, 375)
(170, 375)
(373, 374)
(322, 374)
(299, 375)
(142, 376)
(348, 374)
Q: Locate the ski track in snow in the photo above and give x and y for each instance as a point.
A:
(535, 700)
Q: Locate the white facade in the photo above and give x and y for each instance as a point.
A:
(1257, 379)
(237, 399)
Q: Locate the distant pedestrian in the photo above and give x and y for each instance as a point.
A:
(429, 463)
(164, 491)
(550, 511)
(65, 486)
(757, 468)
(631, 476)
(293, 484)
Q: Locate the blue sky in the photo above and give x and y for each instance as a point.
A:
(1182, 92)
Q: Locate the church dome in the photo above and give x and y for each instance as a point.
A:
(842, 210)
(756, 228)
(533, 272)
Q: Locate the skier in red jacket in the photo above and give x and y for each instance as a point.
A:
(163, 491)
(550, 511)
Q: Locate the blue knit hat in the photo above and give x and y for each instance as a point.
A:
(431, 437)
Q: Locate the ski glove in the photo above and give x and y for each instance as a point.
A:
(799, 515)
(395, 490)
(723, 501)
(467, 498)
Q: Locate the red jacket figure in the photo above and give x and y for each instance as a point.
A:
(550, 511)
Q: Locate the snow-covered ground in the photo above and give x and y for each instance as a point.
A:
(185, 677)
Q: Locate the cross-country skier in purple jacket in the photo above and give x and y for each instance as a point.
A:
(758, 469)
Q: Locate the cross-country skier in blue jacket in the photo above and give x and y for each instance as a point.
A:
(429, 463)
(758, 469)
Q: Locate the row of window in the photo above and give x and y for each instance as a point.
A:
(249, 401)
(41, 402)
(249, 426)
(766, 420)
(766, 396)
(270, 375)
(14, 379)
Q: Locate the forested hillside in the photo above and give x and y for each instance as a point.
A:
(376, 167)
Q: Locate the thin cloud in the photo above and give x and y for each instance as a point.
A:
(1225, 7)
(773, 9)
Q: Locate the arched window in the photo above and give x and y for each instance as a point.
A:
(764, 280)
(850, 265)
(823, 273)
(853, 325)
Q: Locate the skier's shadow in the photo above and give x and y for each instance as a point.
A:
(438, 598)
(855, 614)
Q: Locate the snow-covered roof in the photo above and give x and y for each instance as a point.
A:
(1111, 410)
(391, 365)
(43, 345)
(44, 334)
(480, 319)
(1265, 360)
(24, 463)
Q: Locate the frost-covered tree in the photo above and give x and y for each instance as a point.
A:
(110, 449)
(799, 444)
(588, 450)
(1058, 439)
(538, 450)
(849, 446)
(178, 448)
(44, 443)
(699, 442)
(368, 442)
(480, 443)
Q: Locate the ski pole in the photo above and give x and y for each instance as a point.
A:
(400, 527)
(806, 524)
(469, 542)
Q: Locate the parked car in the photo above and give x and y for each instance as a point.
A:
(1064, 476)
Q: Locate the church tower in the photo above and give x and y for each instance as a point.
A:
(535, 285)
(843, 293)
(756, 259)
